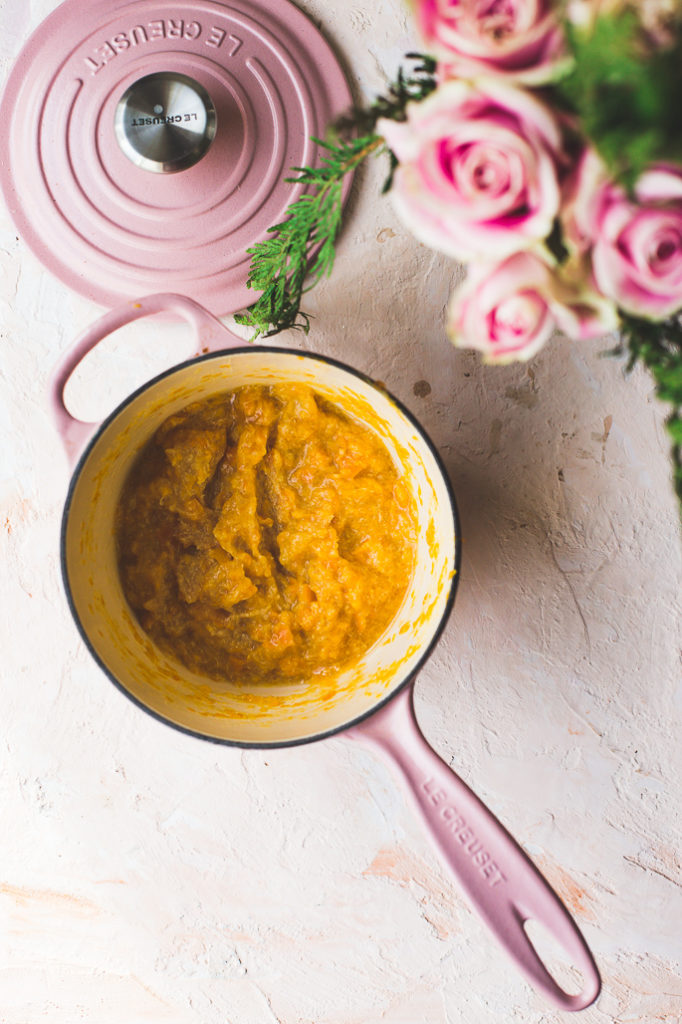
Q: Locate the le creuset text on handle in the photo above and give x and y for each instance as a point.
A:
(210, 335)
(499, 878)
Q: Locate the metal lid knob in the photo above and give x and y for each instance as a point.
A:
(165, 122)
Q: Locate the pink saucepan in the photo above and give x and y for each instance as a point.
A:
(372, 701)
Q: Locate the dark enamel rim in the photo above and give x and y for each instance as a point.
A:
(265, 349)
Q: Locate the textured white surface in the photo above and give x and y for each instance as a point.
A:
(146, 876)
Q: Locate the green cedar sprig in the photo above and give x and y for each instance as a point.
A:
(303, 245)
(300, 250)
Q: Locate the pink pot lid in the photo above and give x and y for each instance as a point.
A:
(89, 187)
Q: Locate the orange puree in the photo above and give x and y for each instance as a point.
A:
(263, 535)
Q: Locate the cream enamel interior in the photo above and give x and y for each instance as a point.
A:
(230, 711)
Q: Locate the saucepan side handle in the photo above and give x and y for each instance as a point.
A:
(210, 335)
(500, 879)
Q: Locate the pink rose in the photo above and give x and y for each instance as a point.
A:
(636, 242)
(509, 310)
(521, 39)
(478, 165)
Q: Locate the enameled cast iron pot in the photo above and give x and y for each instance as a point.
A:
(373, 699)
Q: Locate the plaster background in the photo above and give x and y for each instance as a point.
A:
(146, 876)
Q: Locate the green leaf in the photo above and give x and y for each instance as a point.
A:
(626, 93)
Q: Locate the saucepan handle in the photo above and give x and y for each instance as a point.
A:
(501, 881)
(210, 335)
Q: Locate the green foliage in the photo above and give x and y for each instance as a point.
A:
(300, 251)
(627, 93)
(659, 347)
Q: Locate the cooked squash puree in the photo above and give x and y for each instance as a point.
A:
(263, 535)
